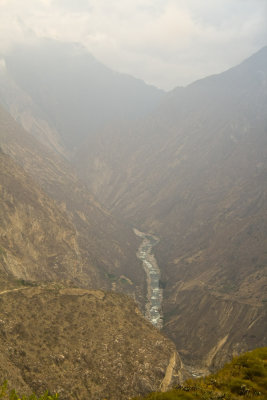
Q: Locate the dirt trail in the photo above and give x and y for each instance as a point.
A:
(13, 290)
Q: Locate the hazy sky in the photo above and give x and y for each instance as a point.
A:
(165, 42)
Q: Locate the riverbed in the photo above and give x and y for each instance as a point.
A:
(153, 311)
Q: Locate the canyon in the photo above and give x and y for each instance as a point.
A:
(158, 196)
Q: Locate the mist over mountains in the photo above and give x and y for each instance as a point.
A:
(93, 154)
(78, 94)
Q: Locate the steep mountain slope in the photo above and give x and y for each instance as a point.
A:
(107, 244)
(82, 344)
(77, 94)
(195, 174)
(37, 240)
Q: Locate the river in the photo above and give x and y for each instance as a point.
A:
(154, 293)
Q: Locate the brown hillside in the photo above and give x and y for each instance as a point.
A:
(82, 344)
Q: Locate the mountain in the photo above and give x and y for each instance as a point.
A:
(195, 174)
(107, 245)
(81, 343)
(189, 167)
(77, 94)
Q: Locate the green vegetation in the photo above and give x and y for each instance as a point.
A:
(23, 282)
(245, 378)
(124, 281)
(6, 394)
(112, 277)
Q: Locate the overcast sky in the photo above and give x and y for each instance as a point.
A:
(167, 43)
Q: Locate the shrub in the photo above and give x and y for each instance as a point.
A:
(6, 394)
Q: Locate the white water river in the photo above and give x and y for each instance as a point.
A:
(154, 292)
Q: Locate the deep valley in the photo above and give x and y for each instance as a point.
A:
(133, 224)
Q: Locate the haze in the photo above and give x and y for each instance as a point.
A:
(164, 42)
